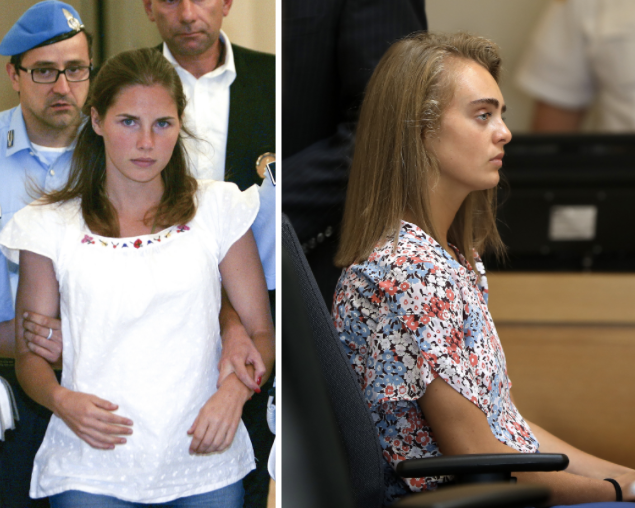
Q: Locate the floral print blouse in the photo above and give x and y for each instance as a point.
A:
(405, 317)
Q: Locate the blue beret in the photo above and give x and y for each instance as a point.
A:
(41, 23)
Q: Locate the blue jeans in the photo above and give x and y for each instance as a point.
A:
(227, 497)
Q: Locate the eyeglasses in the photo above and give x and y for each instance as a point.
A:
(49, 75)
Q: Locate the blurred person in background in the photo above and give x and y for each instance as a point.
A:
(582, 55)
(330, 49)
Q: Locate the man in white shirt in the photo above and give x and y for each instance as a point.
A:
(230, 89)
(581, 53)
(230, 94)
(231, 110)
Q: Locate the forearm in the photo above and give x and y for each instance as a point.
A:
(232, 329)
(580, 463)
(250, 325)
(460, 427)
(7, 339)
(228, 319)
(264, 342)
(34, 373)
(266, 345)
(37, 378)
(236, 388)
(568, 488)
(549, 119)
(38, 291)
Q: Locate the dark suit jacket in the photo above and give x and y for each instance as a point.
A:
(252, 115)
(330, 49)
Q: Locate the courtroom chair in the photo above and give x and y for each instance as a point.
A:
(327, 424)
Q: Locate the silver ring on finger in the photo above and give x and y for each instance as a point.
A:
(48, 337)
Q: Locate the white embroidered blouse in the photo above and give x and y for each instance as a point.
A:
(140, 327)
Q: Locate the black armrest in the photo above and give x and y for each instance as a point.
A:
(479, 468)
(492, 495)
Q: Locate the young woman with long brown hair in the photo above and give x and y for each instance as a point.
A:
(411, 304)
(131, 254)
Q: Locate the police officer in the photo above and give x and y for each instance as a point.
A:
(49, 68)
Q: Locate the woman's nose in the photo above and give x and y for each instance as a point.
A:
(503, 134)
(145, 140)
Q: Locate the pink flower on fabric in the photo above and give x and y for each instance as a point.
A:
(389, 287)
(411, 322)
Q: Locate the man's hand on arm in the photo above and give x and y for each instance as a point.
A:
(239, 354)
(43, 336)
(244, 281)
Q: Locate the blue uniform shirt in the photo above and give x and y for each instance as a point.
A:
(22, 174)
(264, 229)
(6, 302)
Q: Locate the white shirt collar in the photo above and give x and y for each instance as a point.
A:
(228, 66)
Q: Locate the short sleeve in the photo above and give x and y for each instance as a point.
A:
(36, 228)
(555, 67)
(227, 210)
(428, 302)
(6, 300)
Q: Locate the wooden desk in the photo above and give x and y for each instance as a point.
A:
(570, 346)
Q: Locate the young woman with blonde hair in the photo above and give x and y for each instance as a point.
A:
(411, 304)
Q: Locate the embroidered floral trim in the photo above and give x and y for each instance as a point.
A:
(137, 243)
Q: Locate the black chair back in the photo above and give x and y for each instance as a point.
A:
(358, 436)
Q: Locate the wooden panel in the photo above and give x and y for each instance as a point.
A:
(271, 499)
(570, 346)
(562, 298)
(578, 382)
